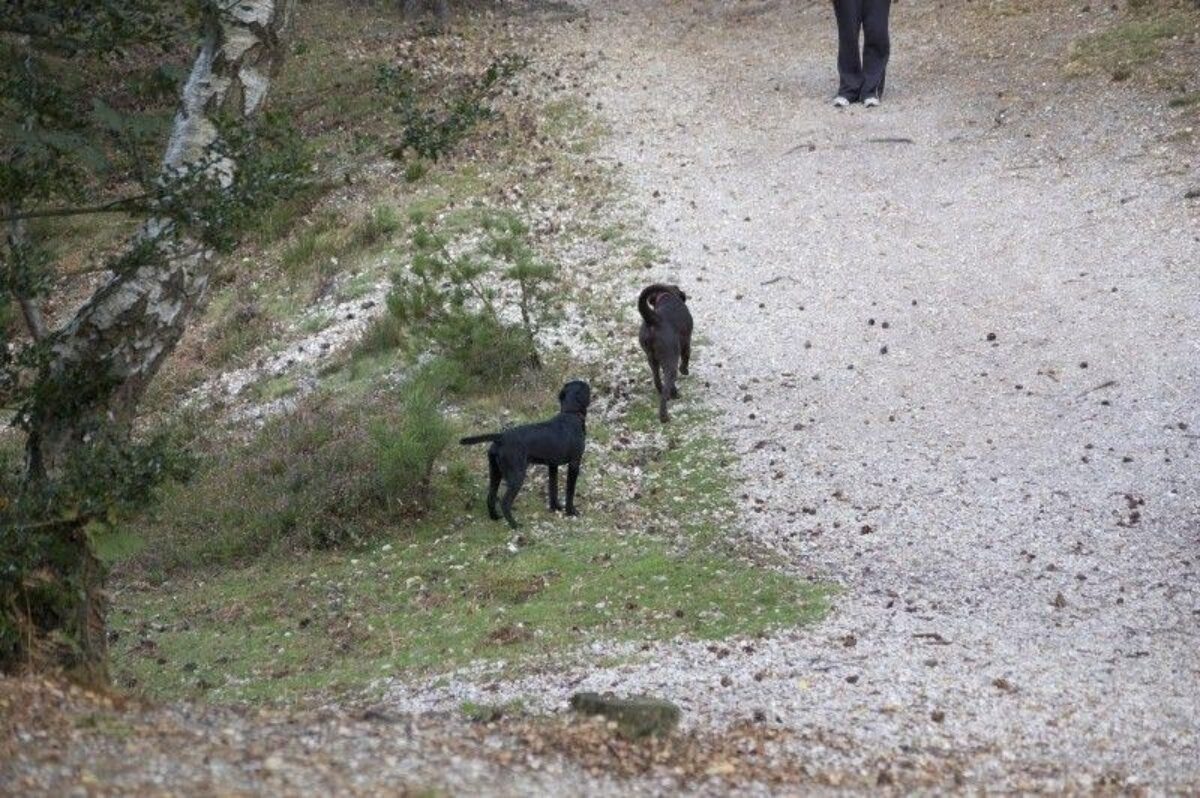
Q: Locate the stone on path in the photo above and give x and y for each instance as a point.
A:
(636, 717)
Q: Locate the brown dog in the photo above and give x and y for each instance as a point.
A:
(666, 337)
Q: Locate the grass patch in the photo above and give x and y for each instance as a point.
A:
(275, 388)
(315, 323)
(425, 592)
(453, 589)
(646, 255)
(315, 244)
(1136, 41)
(1189, 99)
(379, 224)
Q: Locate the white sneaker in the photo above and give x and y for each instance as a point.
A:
(840, 102)
(871, 102)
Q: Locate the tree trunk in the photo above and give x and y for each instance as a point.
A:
(103, 359)
(57, 610)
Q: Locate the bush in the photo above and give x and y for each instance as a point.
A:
(321, 477)
(433, 123)
(480, 309)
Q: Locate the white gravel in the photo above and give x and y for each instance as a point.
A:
(1017, 534)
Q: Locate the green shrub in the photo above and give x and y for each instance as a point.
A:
(321, 477)
(480, 309)
(433, 123)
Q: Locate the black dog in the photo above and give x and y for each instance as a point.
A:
(552, 443)
(666, 336)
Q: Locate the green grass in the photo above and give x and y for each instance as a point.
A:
(570, 121)
(646, 255)
(275, 388)
(255, 620)
(1135, 41)
(315, 323)
(313, 247)
(451, 589)
(1189, 99)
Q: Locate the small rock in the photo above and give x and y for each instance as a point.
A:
(637, 717)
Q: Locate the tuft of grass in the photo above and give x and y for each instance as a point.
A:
(275, 388)
(241, 327)
(415, 169)
(647, 255)
(381, 222)
(316, 322)
(314, 246)
(490, 713)
(1189, 99)
(385, 334)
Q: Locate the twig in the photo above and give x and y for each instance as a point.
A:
(1100, 387)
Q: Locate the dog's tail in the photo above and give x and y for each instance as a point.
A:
(473, 439)
(648, 314)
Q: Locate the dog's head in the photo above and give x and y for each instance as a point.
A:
(575, 397)
(672, 290)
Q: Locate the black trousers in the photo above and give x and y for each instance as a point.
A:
(862, 77)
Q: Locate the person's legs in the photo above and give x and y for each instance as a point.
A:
(849, 22)
(876, 46)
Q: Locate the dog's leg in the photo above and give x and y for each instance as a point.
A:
(493, 486)
(654, 371)
(515, 481)
(668, 392)
(554, 487)
(572, 477)
(685, 355)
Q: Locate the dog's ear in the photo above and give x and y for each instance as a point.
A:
(682, 295)
(562, 395)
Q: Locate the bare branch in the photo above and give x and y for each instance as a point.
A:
(122, 205)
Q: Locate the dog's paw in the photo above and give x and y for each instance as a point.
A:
(572, 512)
(683, 370)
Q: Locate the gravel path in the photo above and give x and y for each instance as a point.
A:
(956, 339)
